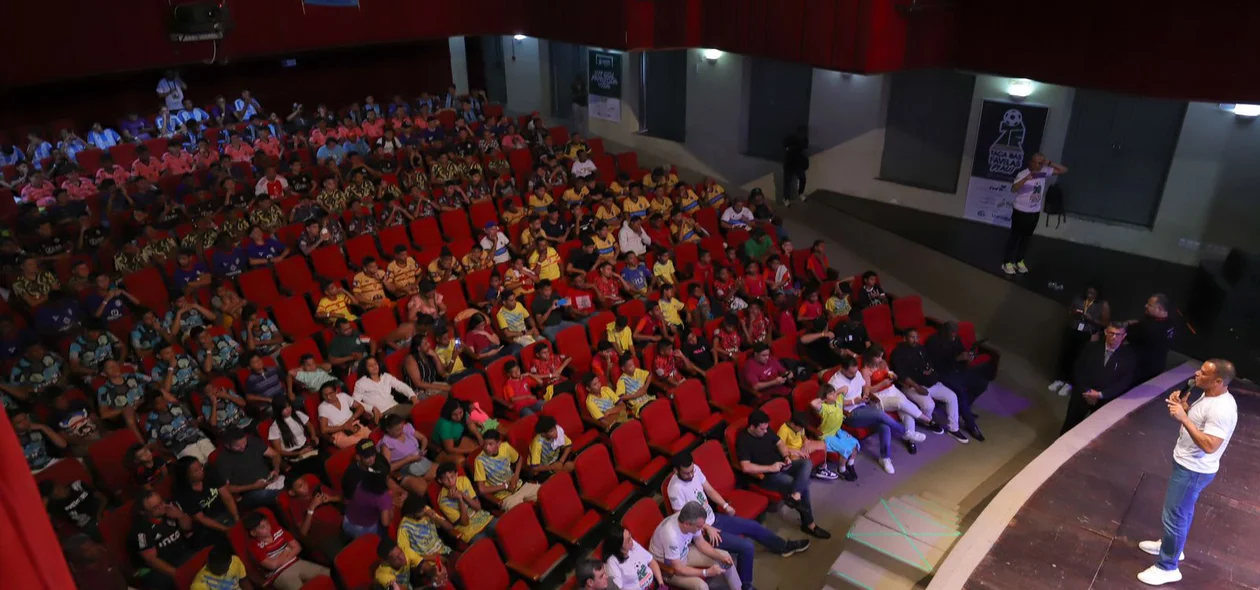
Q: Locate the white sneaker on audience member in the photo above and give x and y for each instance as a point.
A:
(1056, 385)
(887, 465)
(1020, 267)
(1008, 268)
(915, 437)
(1153, 548)
(1066, 390)
(1154, 576)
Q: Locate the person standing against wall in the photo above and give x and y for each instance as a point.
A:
(795, 163)
(1030, 195)
(1151, 337)
(579, 93)
(1085, 324)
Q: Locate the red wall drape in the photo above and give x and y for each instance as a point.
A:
(31, 558)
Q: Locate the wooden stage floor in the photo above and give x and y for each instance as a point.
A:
(1080, 530)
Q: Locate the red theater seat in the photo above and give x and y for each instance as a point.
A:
(598, 481)
(562, 511)
(633, 457)
(481, 568)
(525, 547)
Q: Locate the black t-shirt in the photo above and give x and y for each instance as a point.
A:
(206, 501)
(67, 212)
(912, 362)
(94, 236)
(758, 450)
(556, 229)
(247, 466)
(164, 534)
(1151, 338)
(851, 337)
(699, 353)
(944, 354)
(80, 506)
(51, 246)
(354, 474)
(578, 91)
(300, 183)
(542, 304)
(582, 260)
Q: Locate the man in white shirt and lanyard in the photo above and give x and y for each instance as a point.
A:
(1206, 427)
(1030, 195)
(171, 88)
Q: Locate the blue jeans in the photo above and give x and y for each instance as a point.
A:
(873, 417)
(794, 479)
(355, 531)
(1184, 487)
(550, 332)
(738, 535)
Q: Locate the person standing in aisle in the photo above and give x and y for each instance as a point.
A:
(1088, 316)
(1206, 427)
(579, 93)
(795, 163)
(1030, 195)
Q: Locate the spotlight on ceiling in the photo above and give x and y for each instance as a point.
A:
(711, 54)
(1019, 88)
(519, 37)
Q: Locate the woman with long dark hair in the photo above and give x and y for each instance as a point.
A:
(418, 369)
(292, 435)
(455, 434)
(629, 565)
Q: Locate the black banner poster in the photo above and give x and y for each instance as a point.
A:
(1009, 134)
(605, 73)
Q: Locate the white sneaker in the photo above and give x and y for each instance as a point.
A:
(915, 437)
(887, 465)
(1020, 267)
(1066, 390)
(1153, 576)
(1008, 268)
(1153, 547)
(1056, 385)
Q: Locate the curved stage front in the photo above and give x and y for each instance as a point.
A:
(1072, 518)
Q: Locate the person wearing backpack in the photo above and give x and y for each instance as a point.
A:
(1030, 194)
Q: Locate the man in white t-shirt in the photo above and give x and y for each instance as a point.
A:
(583, 167)
(737, 216)
(673, 543)
(1030, 195)
(171, 88)
(1206, 427)
(849, 382)
(724, 530)
(496, 243)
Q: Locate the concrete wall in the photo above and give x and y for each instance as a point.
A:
(459, 64)
(717, 119)
(527, 70)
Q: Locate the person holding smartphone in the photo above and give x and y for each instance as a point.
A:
(550, 310)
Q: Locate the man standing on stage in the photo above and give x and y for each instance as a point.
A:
(1206, 427)
(1030, 195)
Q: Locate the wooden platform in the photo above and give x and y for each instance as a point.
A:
(1080, 530)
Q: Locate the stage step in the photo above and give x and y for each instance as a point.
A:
(944, 502)
(853, 572)
(893, 550)
(900, 516)
(932, 508)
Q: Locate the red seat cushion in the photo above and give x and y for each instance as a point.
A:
(540, 567)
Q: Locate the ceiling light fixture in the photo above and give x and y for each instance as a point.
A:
(519, 37)
(1019, 88)
(1247, 111)
(712, 54)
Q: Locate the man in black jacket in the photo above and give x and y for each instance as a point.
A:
(918, 379)
(952, 362)
(1103, 371)
(1151, 338)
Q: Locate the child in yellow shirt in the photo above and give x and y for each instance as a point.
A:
(793, 435)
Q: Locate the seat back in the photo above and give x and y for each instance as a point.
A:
(594, 470)
(730, 437)
(188, 570)
(784, 347)
(392, 237)
(572, 342)
(481, 567)
(779, 411)
(378, 323)
(803, 394)
(473, 389)
(690, 402)
(629, 445)
(521, 433)
(722, 385)
(426, 233)
(291, 355)
(659, 424)
(148, 286)
(642, 519)
(712, 460)
(354, 563)
(115, 530)
(259, 287)
(425, 414)
(523, 540)
(452, 293)
(360, 247)
(563, 408)
(107, 456)
(559, 503)
(598, 326)
(455, 225)
(967, 334)
(908, 312)
(330, 263)
(295, 275)
(320, 583)
(878, 322)
(293, 317)
(336, 466)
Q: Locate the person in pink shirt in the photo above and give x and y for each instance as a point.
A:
(272, 185)
(177, 161)
(349, 131)
(373, 126)
(321, 133)
(267, 143)
(110, 171)
(238, 151)
(146, 165)
(205, 157)
(78, 187)
(38, 190)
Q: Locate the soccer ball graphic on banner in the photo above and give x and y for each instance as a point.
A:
(1006, 155)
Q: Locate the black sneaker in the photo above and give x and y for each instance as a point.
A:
(816, 531)
(974, 430)
(794, 547)
(911, 447)
(824, 473)
(848, 474)
(959, 436)
(852, 468)
(933, 427)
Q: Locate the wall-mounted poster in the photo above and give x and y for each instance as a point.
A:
(1010, 133)
(604, 100)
